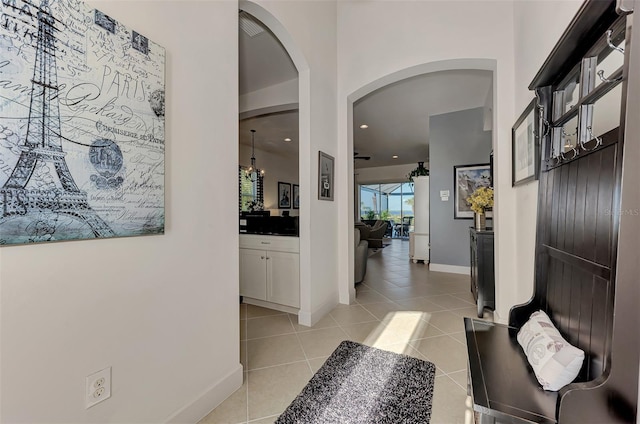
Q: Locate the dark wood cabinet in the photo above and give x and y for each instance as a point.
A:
(482, 270)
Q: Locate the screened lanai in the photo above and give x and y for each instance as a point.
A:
(391, 202)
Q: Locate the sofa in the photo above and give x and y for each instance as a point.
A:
(360, 256)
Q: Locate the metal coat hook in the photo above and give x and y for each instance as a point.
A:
(554, 160)
(598, 139)
(573, 148)
(603, 79)
(613, 47)
(610, 43)
(575, 153)
(545, 123)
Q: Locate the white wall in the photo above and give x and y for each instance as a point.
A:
(531, 48)
(308, 31)
(455, 138)
(161, 310)
(415, 34)
(277, 168)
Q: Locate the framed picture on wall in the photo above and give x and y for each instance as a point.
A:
(525, 150)
(466, 179)
(325, 176)
(296, 196)
(53, 190)
(284, 195)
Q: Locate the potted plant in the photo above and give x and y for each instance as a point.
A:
(418, 172)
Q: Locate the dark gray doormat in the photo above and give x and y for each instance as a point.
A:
(362, 384)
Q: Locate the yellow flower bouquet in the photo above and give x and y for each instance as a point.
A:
(481, 199)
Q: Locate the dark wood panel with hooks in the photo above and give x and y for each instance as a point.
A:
(586, 267)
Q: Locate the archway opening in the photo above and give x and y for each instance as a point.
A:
(392, 86)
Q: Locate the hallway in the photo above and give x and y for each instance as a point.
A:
(400, 306)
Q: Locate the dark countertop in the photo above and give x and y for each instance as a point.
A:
(268, 234)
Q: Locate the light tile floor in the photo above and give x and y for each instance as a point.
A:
(401, 307)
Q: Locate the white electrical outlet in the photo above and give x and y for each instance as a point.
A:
(98, 387)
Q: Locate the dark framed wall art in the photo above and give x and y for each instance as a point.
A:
(296, 196)
(466, 179)
(325, 176)
(525, 149)
(284, 195)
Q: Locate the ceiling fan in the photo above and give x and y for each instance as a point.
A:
(355, 156)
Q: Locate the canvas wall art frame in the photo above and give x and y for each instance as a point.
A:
(325, 176)
(284, 195)
(466, 179)
(296, 196)
(525, 148)
(81, 125)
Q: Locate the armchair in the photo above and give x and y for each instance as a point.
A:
(377, 233)
(364, 230)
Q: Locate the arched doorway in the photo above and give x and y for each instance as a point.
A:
(346, 286)
(304, 156)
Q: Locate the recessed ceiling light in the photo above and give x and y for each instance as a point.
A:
(395, 156)
(287, 139)
(364, 126)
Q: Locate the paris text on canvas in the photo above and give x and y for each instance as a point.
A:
(81, 125)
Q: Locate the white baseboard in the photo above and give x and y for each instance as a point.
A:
(454, 269)
(310, 319)
(270, 305)
(304, 318)
(209, 399)
(499, 319)
(319, 313)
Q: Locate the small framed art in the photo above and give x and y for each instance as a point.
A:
(525, 150)
(296, 196)
(325, 176)
(284, 195)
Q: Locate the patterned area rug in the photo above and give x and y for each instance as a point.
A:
(362, 384)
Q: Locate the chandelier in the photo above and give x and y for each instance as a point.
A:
(253, 168)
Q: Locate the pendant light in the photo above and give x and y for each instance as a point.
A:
(253, 168)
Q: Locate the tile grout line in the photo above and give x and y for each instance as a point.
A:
(302, 347)
(245, 374)
(247, 394)
(277, 365)
(452, 379)
(280, 365)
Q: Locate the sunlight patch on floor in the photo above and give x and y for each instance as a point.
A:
(398, 328)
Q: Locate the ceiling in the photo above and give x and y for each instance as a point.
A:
(263, 60)
(397, 114)
(271, 130)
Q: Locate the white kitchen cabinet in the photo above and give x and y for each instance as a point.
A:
(270, 270)
(283, 278)
(253, 276)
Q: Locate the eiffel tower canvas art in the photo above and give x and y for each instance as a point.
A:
(82, 133)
